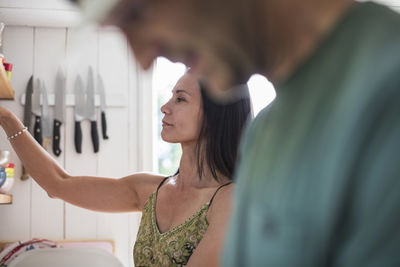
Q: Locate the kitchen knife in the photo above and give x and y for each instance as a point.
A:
(37, 128)
(91, 110)
(79, 112)
(59, 111)
(27, 116)
(28, 103)
(46, 131)
(100, 87)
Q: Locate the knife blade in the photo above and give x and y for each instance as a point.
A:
(79, 112)
(37, 128)
(46, 131)
(100, 87)
(27, 116)
(91, 110)
(59, 111)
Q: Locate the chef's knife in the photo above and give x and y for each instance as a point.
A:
(28, 103)
(46, 131)
(91, 110)
(79, 112)
(27, 116)
(37, 129)
(100, 87)
(59, 111)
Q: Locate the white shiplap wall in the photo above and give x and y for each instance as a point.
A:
(39, 51)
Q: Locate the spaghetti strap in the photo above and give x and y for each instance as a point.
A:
(216, 191)
(165, 178)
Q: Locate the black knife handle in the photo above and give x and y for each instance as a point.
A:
(37, 130)
(56, 137)
(78, 137)
(104, 125)
(95, 136)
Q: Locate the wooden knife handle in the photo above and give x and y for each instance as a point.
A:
(25, 174)
(46, 143)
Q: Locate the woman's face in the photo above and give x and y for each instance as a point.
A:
(183, 113)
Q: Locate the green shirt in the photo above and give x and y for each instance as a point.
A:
(318, 181)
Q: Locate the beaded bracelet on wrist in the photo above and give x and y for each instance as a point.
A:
(17, 134)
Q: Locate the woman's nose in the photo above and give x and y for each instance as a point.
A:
(165, 109)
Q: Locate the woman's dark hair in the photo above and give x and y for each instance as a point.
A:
(220, 133)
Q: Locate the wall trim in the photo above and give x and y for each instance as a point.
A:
(40, 17)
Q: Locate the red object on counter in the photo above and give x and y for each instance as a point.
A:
(8, 66)
(10, 165)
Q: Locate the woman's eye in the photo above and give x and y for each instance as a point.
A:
(180, 99)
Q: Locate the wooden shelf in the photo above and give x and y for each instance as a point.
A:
(5, 199)
(6, 92)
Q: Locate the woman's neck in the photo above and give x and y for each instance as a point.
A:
(188, 171)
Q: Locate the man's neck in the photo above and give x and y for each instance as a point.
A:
(293, 30)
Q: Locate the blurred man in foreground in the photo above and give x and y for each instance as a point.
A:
(318, 182)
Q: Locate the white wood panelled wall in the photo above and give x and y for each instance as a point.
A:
(39, 51)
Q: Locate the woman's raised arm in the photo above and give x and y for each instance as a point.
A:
(95, 193)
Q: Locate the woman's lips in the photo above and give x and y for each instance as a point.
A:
(164, 123)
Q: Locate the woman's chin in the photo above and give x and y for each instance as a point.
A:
(168, 139)
(171, 141)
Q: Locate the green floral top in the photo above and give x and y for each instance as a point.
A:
(172, 248)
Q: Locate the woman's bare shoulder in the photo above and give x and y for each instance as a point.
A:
(144, 184)
(221, 205)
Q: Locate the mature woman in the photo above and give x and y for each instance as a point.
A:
(184, 215)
